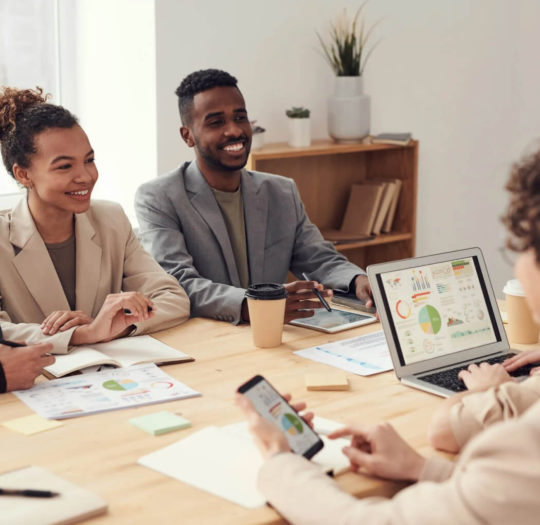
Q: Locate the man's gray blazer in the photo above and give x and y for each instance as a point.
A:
(181, 225)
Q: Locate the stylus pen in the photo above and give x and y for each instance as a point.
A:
(29, 493)
(317, 293)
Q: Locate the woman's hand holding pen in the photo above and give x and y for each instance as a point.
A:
(118, 313)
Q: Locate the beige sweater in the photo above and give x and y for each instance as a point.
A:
(477, 411)
(496, 480)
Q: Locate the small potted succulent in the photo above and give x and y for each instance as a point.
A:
(257, 138)
(299, 127)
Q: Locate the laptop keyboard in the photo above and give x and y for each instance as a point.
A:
(449, 378)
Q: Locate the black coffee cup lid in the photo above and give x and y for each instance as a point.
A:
(266, 291)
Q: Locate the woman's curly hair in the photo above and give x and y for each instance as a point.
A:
(23, 114)
(522, 217)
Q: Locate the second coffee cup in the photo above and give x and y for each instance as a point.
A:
(266, 304)
(521, 326)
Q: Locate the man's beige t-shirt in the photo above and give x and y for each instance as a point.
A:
(232, 209)
(63, 258)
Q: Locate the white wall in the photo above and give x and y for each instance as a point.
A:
(461, 75)
(108, 75)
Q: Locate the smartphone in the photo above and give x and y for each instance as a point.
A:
(269, 404)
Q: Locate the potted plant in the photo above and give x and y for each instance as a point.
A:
(299, 127)
(346, 52)
(257, 138)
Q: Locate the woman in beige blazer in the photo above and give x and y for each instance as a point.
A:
(71, 271)
(496, 478)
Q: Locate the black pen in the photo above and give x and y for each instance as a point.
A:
(28, 493)
(13, 344)
(127, 311)
(318, 294)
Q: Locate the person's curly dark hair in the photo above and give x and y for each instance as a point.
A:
(23, 114)
(198, 82)
(522, 217)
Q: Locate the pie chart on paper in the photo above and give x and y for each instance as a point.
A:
(120, 384)
(429, 320)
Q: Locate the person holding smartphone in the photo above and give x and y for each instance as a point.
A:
(496, 478)
(72, 271)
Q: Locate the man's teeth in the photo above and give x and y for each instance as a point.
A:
(83, 192)
(234, 147)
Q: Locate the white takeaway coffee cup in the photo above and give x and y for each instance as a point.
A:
(522, 328)
(266, 304)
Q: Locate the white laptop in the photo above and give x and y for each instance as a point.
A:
(439, 315)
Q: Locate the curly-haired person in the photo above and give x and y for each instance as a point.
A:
(496, 478)
(70, 268)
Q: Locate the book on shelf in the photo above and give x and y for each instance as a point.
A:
(360, 214)
(384, 207)
(389, 221)
(398, 139)
(123, 352)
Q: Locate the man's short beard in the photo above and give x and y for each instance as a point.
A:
(215, 163)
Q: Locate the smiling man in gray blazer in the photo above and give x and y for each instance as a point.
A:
(217, 227)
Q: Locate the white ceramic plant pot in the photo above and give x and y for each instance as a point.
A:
(349, 113)
(257, 140)
(299, 132)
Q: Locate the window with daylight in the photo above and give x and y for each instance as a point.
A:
(28, 58)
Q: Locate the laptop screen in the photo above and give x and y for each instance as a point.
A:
(438, 309)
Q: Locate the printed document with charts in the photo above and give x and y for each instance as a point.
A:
(113, 389)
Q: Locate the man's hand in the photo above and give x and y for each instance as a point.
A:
(381, 451)
(522, 359)
(484, 376)
(268, 438)
(298, 303)
(113, 320)
(62, 320)
(363, 290)
(22, 365)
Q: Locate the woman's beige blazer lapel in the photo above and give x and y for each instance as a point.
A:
(36, 269)
(33, 262)
(88, 263)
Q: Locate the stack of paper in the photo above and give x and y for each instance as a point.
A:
(224, 461)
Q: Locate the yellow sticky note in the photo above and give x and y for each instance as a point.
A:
(31, 424)
(335, 381)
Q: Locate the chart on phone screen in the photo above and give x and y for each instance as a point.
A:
(272, 407)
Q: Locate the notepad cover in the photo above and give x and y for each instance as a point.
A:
(73, 505)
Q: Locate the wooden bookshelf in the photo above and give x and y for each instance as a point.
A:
(324, 173)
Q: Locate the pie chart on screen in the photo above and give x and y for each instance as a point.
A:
(291, 424)
(429, 320)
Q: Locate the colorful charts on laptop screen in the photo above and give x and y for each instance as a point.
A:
(438, 309)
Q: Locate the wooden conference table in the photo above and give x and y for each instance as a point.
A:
(100, 451)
